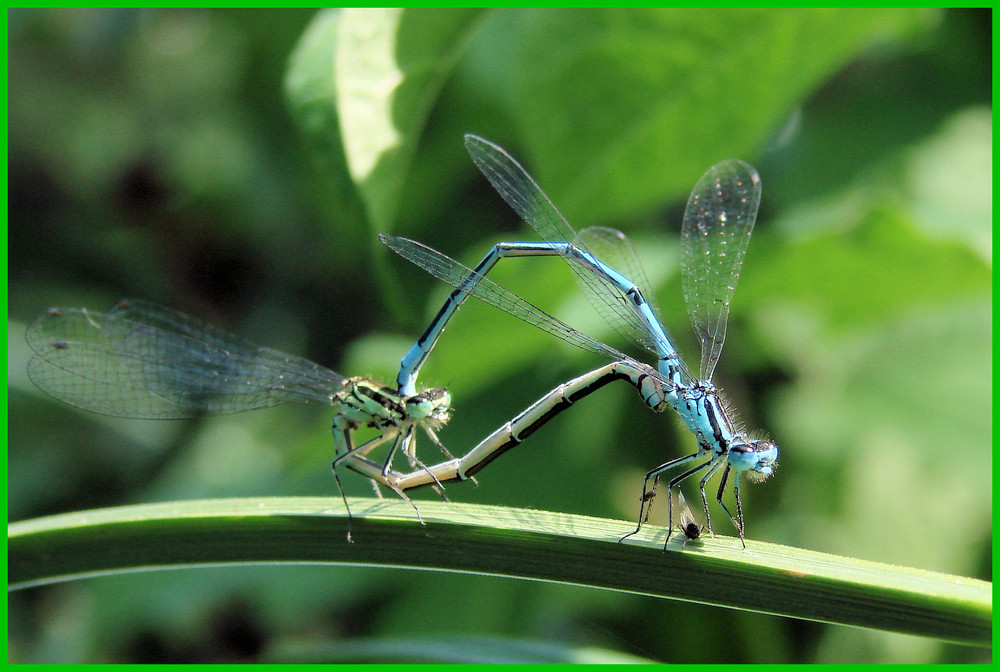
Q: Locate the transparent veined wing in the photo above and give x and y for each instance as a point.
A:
(717, 226)
(524, 195)
(145, 361)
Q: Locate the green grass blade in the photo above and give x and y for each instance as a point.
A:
(501, 541)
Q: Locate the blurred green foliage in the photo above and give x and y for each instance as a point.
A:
(237, 164)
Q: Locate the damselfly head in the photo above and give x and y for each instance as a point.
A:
(758, 458)
(434, 403)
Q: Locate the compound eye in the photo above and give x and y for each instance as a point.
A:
(767, 457)
(418, 407)
(764, 446)
(428, 402)
(757, 457)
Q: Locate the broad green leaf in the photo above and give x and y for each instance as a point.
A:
(361, 83)
(619, 110)
(390, 65)
(310, 88)
(951, 180)
(882, 267)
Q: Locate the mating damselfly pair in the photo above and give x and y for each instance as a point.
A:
(144, 361)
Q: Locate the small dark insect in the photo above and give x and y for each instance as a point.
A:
(688, 525)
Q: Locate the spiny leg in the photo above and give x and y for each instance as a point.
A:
(400, 439)
(675, 483)
(738, 521)
(411, 455)
(409, 501)
(356, 459)
(374, 483)
(716, 465)
(739, 508)
(382, 473)
(346, 450)
(650, 497)
(646, 495)
(344, 447)
(388, 481)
